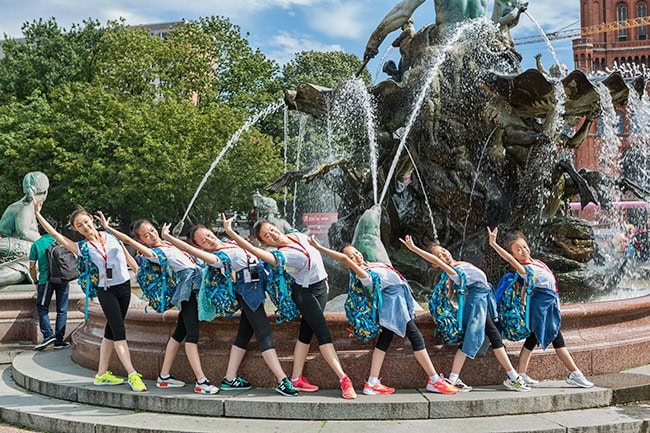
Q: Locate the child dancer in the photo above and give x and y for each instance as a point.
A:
(396, 316)
(544, 307)
(479, 309)
(108, 258)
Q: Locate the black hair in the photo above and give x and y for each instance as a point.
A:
(511, 237)
(136, 225)
(79, 210)
(193, 231)
(258, 227)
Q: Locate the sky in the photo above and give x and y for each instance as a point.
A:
(280, 28)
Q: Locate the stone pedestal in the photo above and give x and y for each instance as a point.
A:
(602, 337)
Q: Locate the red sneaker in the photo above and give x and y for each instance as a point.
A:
(302, 384)
(347, 389)
(377, 389)
(441, 387)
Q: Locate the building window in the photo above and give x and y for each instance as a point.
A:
(642, 11)
(621, 15)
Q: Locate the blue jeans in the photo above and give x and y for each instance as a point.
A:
(43, 297)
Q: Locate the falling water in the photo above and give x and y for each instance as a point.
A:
(557, 122)
(380, 65)
(301, 139)
(356, 90)
(424, 193)
(471, 193)
(250, 122)
(286, 159)
(638, 108)
(609, 156)
(548, 42)
(431, 74)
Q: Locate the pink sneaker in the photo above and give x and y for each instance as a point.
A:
(441, 387)
(347, 389)
(302, 384)
(377, 389)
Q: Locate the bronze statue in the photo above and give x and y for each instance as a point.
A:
(18, 229)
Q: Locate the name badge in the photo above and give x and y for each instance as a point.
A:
(247, 275)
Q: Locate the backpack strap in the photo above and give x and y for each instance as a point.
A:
(227, 269)
(530, 285)
(460, 293)
(164, 271)
(87, 271)
(280, 262)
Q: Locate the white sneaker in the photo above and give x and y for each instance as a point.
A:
(529, 380)
(516, 385)
(578, 379)
(205, 388)
(170, 382)
(462, 387)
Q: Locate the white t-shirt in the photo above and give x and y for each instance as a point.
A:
(178, 260)
(473, 275)
(115, 259)
(304, 262)
(387, 276)
(239, 259)
(544, 278)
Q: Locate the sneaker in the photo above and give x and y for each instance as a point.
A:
(578, 379)
(377, 389)
(62, 345)
(45, 343)
(516, 385)
(170, 382)
(529, 380)
(205, 387)
(108, 378)
(135, 380)
(347, 390)
(237, 384)
(460, 385)
(302, 384)
(440, 386)
(285, 387)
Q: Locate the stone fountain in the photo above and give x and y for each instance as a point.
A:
(492, 144)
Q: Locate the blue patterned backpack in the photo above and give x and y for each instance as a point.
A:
(88, 274)
(217, 289)
(158, 282)
(514, 318)
(279, 289)
(362, 307)
(447, 317)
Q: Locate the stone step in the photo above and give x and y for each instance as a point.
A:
(52, 373)
(35, 411)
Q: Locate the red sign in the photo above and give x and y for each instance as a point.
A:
(319, 224)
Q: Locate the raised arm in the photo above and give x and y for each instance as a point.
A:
(395, 19)
(505, 255)
(340, 257)
(62, 240)
(184, 246)
(129, 259)
(408, 241)
(257, 252)
(105, 222)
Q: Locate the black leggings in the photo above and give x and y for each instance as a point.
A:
(492, 333)
(253, 322)
(311, 303)
(412, 333)
(187, 325)
(114, 301)
(531, 341)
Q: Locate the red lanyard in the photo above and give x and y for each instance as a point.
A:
(542, 265)
(385, 266)
(300, 247)
(234, 247)
(104, 255)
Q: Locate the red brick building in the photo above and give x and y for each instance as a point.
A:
(603, 50)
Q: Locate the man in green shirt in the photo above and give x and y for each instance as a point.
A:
(44, 292)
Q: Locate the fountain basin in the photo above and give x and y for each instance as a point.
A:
(603, 337)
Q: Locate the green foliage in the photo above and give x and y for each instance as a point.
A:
(325, 69)
(129, 123)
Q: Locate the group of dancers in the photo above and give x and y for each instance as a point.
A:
(104, 252)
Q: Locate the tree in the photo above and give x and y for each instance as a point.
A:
(327, 69)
